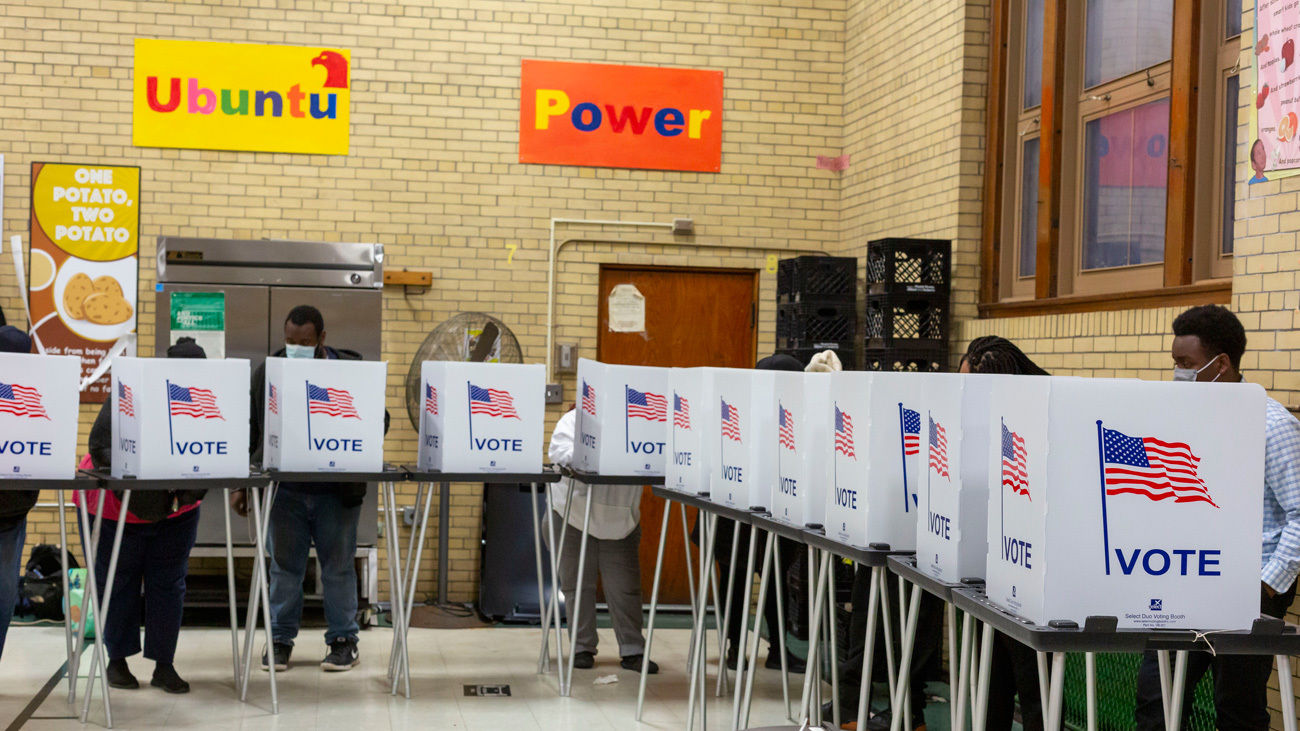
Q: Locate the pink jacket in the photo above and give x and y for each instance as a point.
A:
(112, 506)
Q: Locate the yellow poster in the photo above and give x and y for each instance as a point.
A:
(240, 96)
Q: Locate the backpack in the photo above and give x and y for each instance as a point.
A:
(40, 590)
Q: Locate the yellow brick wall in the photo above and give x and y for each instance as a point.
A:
(433, 172)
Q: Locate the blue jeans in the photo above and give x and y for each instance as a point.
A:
(11, 556)
(299, 519)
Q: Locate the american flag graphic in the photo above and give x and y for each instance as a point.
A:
(330, 402)
(21, 401)
(199, 403)
(681, 412)
(786, 423)
(588, 399)
(430, 399)
(646, 405)
(273, 401)
(844, 434)
(1015, 469)
(938, 448)
(730, 421)
(1151, 467)
(911, 432)
(125, 401)
(492, 402)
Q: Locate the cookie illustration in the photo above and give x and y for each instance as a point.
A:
(79, 288)
(108, 285)
(107, 309)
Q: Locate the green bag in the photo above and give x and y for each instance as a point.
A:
(72, 606)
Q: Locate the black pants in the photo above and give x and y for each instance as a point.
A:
(925, 650)
(740, 582)
(1240, 682)
(1014, 671)
(154, 557)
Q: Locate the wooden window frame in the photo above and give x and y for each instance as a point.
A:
(1188, 274)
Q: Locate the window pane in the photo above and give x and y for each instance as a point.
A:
(1125, 36)
(1028, 253)
(1229, 162)
(1233, 24)
(1126, 156)
(1033, 53)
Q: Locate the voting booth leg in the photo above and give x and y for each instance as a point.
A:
(230, 588)
(777, 589)
(1175, 719)
(868, 647)
(1162, 662)
(405, 569)
(397, 590)
(979, 716)
(740, 710)
(958, 691)
(63, 557)
(902, 706)
(726, 612)
(1090, 683)
(260, 592)
(1287, 691)
(832, 635)
(807, 705)
(747, 585)
(1056, 695)
(91, 594)
(699, 632)
(413, 568)
(415, 551)
(554, 609)
(99, 656)
(576, 611)
(690, 575)
(543, 661)
(654, 604)
(951, 612)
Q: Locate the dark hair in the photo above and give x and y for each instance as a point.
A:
(993, 354)
(1217, 328)
(303, 314)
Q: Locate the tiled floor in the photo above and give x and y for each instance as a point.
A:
(442, 662)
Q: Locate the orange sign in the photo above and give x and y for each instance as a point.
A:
(602, 115)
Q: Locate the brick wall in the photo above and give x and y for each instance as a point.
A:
(433, 172)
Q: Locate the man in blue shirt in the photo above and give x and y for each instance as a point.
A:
(1208, 344)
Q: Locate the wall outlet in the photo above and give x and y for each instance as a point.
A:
(566, 358)
(554, 393)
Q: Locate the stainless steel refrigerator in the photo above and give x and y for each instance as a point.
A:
(262, 281)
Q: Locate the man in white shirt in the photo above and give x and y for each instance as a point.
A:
(613, 541)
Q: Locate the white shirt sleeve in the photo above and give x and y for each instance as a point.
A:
(561, 450)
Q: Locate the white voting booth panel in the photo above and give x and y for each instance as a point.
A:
(38, 416)
(952, 532)
(689, 467)
(734, 437)
(177, 418)
(481, 417)
(324, 415)
(1130, 499)
(763, 464)
(802, 449)
(622, 419)
(875, 446)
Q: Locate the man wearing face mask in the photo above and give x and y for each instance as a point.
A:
(1208, 345)
(304, 513)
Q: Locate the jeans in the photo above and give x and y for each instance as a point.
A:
(299, 519)
(1240, 682)
(153, 557)
(11, 556)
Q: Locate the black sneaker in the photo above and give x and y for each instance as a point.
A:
(165, 677)
(282, 652)
(633, 662)
(119, 675)
(584, 660)
(343, 656)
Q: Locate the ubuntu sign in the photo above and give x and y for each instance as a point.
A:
(620, 116)
(240, 96)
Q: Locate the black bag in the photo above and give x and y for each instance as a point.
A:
(40, 590)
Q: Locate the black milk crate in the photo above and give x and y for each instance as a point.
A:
(816, 324)
(906, 321)
(806, 278)
(921, 266)
(933, 360)
(847, 355)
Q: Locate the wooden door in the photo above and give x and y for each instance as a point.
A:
(693, 317)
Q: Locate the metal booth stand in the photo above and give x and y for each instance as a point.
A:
(100, 606)
(402, 577)
(1268, 636)
(260, 502)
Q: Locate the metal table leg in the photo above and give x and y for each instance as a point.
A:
(90, 593)
(690, 573)
(911, 614)
(67, 613)
(1162, 662)
(230, 589)
(726, 611)
(543, 661)
(979, 717)
(809, 699)
(1090, 683)
(1175, 719)
(576, 611)
(654, 603)
(959, 690)
(397, 590)
(831, 634)
(393, 652)
(99, 656)
(1286, 691)
(259, 591)
(744, 624)
(868, 647)
(740, 711)
(778, 589)
(552, 614)
(951, 615)
(1056, 696)
(698, 654)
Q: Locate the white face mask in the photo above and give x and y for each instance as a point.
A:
(292, 350)
(1190, 374)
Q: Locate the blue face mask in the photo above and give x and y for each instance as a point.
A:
(292, 350)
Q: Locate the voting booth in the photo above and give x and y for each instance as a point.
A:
(38, 416)
(178, 418)
(622, 421)
(690, 458)
(324, 415)
(733, 438)
(952, 532)
(797, 493)
(874, 460)
(481, 417)
(1138, 500)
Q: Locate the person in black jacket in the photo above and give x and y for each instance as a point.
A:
(303, 514)
(14, 506)
(153, 560)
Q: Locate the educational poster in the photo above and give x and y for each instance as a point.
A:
(1275, 151)
(84, 263)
